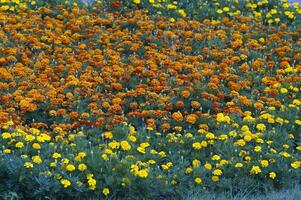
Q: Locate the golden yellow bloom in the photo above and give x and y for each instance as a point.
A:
(261, 127)
(255, 170)
(7, 151)
(239, 165)
(37, 159)
(92, 184)
(82, 167)
(217, 172)
(182, 12)
(106, 191)
(208, 166)
(257, 148)
(197, 145)
(6, 135)
(195, 163)
(107, 135)
(188, 170)
(66, 183)
(198, 180)
(143, 173)
(70, 167)
(19, 145)
(272, 175)
(296, 164)
(56, 155)
(215, 157)
(36, 146)
(28, 165)
(125, 145)
(283, 90)
(264, 163)
(215, 178)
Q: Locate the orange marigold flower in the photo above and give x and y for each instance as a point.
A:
(195, 104)
(177, 116)
(192, 118)
(179, 104)
(185, 93)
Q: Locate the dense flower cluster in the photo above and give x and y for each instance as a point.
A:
(147, 95)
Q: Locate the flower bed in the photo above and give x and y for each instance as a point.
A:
(109, 99)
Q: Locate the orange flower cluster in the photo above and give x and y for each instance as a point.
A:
(77, 68)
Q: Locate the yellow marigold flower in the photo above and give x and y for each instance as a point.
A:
(132, 138)
(143, 173)
(283, 90)
(137, 1)
(208, 166)
(56, 155)
(172, 20)
(239, 165)
(125, 145)
(226, 9)
(215, 178)
(272, 175)
(240, 142)
(19, 145)
(65, 161)
(257, 148)
(296, 164)
(162, 154)
(255, 170)
(219, 11)
(245, 128)
(296, 102)
(169, 164)
(37, 159)
(171, 6)
(7, 151)
(144, 144)
(217, 172)
(210, 136)
(198, 180)
(298, 122)
(151, 162)
(197, 145)
(114, 145)
(6, 135)
(261, 127)
(70, 167)
(248, 138)
(82, 167)
(106, 191)
(195, 163)
(53, 164)
(28, 165)
(189, 135)
(264, 163)
(141, 149)
(66, 183)
(188, 170)
(107, 135)
(182, 12)
(36, 146)
(285, 154)
(215, 157)
(92, 183)
(164, 167)
(29, 138)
